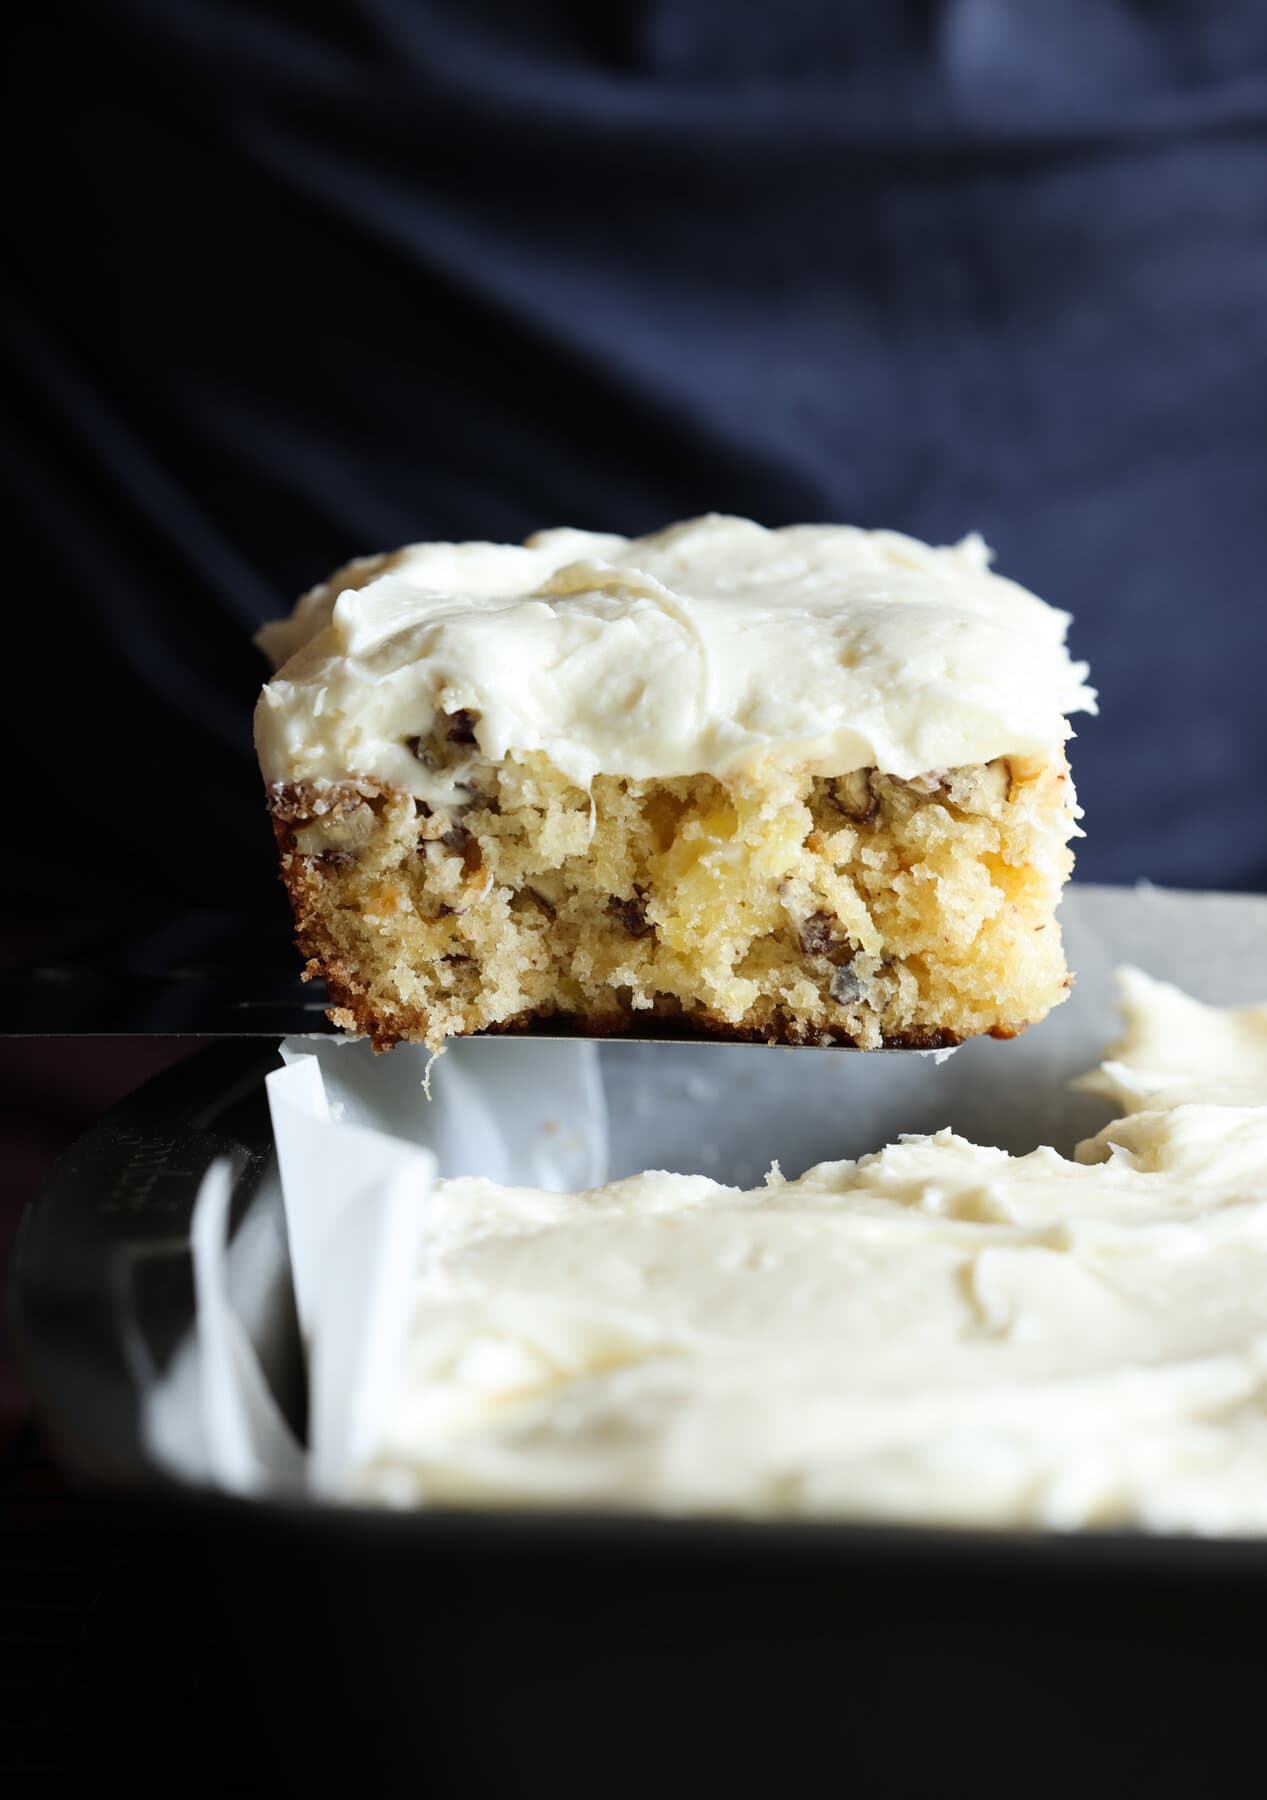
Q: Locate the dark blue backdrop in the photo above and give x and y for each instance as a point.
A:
(302, 279)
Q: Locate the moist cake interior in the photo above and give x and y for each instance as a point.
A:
(777, 905)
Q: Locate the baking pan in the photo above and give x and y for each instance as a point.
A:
(462, 1653)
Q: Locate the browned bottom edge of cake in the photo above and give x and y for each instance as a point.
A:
(353, 1011)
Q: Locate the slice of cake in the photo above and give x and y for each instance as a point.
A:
(805, 786)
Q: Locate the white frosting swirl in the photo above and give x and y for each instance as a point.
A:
(700, 649)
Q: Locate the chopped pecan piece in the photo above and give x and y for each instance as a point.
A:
(822, 934)
(816, 935)
(855, 797)
(458, 841)
(464, 842)
(632, 913)
(298, 803)
(845, 986)
(448, 744)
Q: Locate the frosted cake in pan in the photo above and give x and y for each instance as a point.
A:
(935, 1333)
(803, 786)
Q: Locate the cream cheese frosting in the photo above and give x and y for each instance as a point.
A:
(937, 1332)
(1175, 1051)
(697, 650)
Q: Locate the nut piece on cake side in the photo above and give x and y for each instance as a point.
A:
(804, 786)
